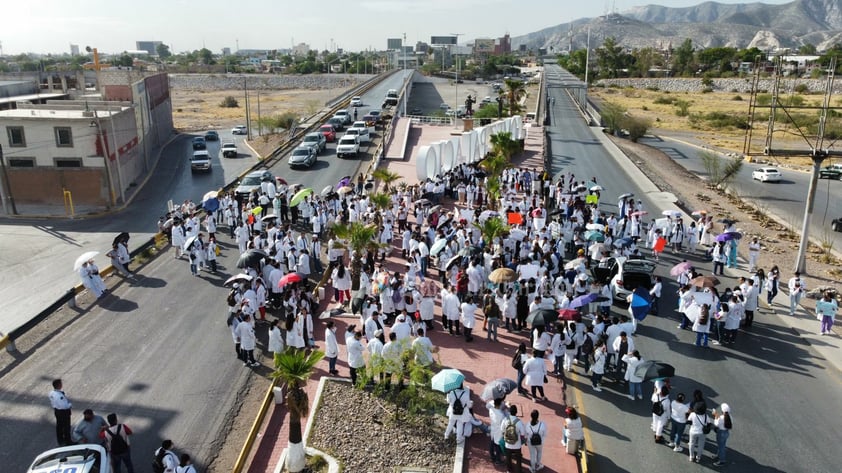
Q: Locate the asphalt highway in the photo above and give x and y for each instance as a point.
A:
(783, 395)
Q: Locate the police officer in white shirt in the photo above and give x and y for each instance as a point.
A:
(61, 408)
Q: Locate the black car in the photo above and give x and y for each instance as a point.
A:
(836, 225)
(211, 135)
(199, 143)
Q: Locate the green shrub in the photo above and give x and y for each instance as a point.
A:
(802, 89)
(707, 90)
(664, 101)
(653, 88)
(682, 108)
(737, 98)
(637, 127)
(644, 108)
(764, 100)
(229, 102)
(724, 120)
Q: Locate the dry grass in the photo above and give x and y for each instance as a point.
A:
(650, 104)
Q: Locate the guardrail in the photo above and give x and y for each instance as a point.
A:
(245, 452)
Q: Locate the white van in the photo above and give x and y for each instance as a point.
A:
(200, 161)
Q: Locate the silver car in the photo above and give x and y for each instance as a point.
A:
(303, 156)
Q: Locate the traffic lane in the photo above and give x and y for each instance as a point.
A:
(328, 168)
(767, 373)
(786, 199)
(156, 352)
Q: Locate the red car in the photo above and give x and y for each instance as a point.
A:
(329, 133)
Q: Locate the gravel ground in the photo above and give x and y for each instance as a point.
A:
(371, 440)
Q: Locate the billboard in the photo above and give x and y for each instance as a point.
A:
(394, 43)
(440, 40)
(484, 45)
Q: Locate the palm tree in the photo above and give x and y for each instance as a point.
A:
(515, 90)
(381, 201)
(492, 228)
(294, 368)
(502, 143)
(359, 237)
(385, 176)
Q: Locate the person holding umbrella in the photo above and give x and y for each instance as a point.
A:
(701, 326)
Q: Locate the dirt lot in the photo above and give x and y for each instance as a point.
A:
(656, 106)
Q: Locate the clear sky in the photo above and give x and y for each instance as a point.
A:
(114, 25)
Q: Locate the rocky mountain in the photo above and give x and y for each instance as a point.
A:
(708, 24)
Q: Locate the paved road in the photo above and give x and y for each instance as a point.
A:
(157, 352)
(781, 391)
(786, 199)
(40, 252)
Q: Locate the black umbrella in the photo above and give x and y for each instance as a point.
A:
(453, 262)
(542, 317)
(649, 370)
(251, 258)
(498, 389)
(122, 237)
(422, 202)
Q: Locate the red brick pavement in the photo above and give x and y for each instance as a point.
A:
(481, 361)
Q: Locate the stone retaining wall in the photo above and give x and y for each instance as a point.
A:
(208, 82)
(740, 85)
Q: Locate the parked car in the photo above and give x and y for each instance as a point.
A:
(624, 275)
(344, 115)
(767, 175)
(81, 458)
(211, 135)
(833, 171)
(316, 140)
(329, 132)
(416, 111)
(356, 101)
(302, 156)
(200, 161)
(444, 106)
(378, 117)
(199, 143)
(229, 149)
(338, 123)
(239, 130)
(251, 182)
(836, 224)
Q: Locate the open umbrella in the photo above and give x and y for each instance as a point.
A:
(257, 210)
(501, 275)
(211, 205)
(124, 237)
(269, 217)
(595, 227)
(681, 267)
(542, 317)
(290, 278)
(447, 380)
(639, 213)
(326, 191)
(517, 234)
(580, 188)
(422, 202)
(623, 242)
(626, 195)
(210, 195)
(84, 258)
(573, 264)
(672, 213)
(486, 214)
(281, 181)
(443, 222)
(640, 303)
(438, 246)
(734, 235)
(650, 369)
(237, 278)
(453, 262)
(189, 242)
(345, 190)
(498, 389)
(435, 208)
(569, 314)
(593, 235)
(699, 212)
(583, 300)
(345, 181)
(723, 237)
(299, 196)
(704, 281)
(251, 258)
(597, 188)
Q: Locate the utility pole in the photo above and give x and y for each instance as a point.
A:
(8, 198)
(457, 74)
(259, 124)
(248, 117)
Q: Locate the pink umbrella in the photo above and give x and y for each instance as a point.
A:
(639, 213)
(680, 268)
(289, 278)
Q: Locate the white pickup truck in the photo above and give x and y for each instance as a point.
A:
(229, 150)
(349, 145)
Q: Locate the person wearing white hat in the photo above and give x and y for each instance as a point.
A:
(723, 423)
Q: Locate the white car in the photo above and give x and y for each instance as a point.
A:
(362, 134)
(767, 175)
(82, 458)
(356, 101)
(624, 275)
(239, 130)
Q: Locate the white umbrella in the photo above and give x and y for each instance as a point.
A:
(517, 234)
(597, 188)
(189, 242)
(671, 213)
(626, 195)
(595, 226)
(84, 258)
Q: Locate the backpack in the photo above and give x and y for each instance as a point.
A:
(232, 299)
(658, 407)
(572, 344)
(535, 438)
(703, 319)
(587, 345)
(706, 428)
(158, 461)
(118, 443)
(458, 407)
(510, 434)
(517, 362)
(728, 424)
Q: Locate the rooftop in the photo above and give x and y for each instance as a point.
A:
(26, 98)
(62, 114)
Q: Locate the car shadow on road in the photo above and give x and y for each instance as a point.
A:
(114, 303)
(146, 281)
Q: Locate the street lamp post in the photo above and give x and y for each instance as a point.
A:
(457, 73)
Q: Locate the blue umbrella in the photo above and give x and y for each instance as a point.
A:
(623, 242)
(211, 205)
(447, 380)
(583, 300)
(593, 235)
(640, 303)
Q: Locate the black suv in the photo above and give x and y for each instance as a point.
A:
(199, 143)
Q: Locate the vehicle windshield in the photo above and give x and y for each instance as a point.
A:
(346, 141)
(300, 152)
(250, 181)
(76, 457)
